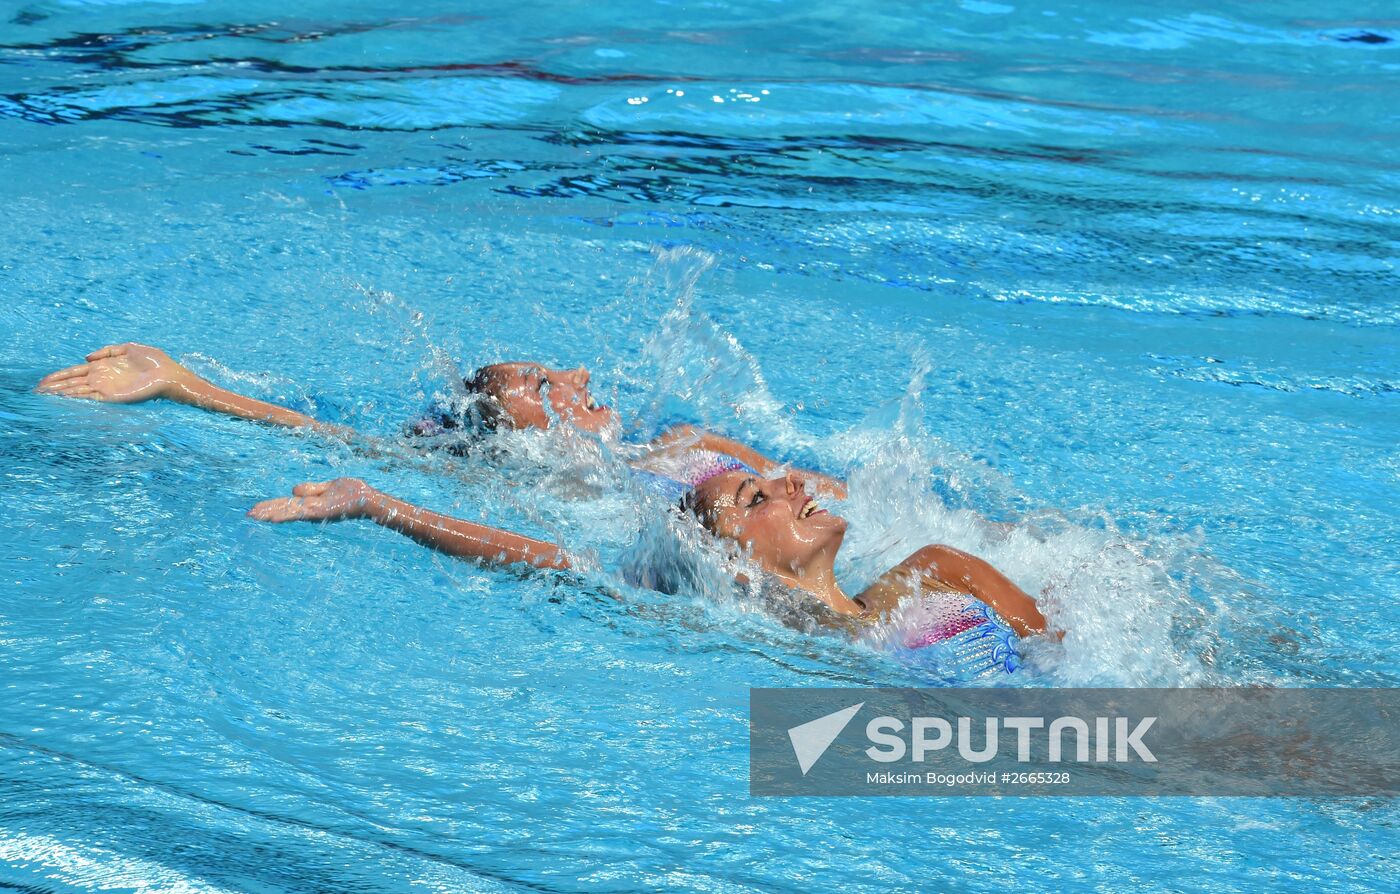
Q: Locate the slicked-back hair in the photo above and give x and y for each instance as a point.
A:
(486, 409)
(459, 424)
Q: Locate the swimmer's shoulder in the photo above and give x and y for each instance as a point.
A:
(916, 574)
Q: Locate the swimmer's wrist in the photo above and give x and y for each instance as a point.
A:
(187, 388)
(378, 506)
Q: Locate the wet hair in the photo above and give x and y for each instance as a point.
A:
(693, 506)
(483, 390)
(690, 505)
(458, 422)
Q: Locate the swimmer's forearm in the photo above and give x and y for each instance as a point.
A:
(458, 537)
(1011, 602)
(206, 395)
(977, 576)
(691, 436)
(765, 466)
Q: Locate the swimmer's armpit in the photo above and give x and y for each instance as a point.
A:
(347, 498)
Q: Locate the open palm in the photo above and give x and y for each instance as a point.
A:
(122, 374)
(318, 501)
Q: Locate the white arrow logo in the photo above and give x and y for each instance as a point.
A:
(811, 740)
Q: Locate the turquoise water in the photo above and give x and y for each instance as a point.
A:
(1104, 294)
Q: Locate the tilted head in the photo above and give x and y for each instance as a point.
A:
(775, 519)
(516, 395)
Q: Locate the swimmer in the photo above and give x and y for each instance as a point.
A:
(734, 491)
(959, 598)
(497, 396)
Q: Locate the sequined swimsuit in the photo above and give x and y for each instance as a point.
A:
(964, 630)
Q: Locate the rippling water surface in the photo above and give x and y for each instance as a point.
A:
(1105, 293)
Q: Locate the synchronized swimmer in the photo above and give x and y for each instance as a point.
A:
(737, 494)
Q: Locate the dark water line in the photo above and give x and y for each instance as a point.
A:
(9, 740)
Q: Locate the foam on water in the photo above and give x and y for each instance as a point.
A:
(1135, 607)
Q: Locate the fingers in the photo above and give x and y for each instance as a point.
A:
(47, 382)
(281, 509)
(311, 488)
(109, 351)
(74, 388)
(310, 501)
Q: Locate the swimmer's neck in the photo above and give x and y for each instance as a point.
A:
(819, 579)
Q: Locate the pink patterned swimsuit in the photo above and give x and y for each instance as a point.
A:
(964, 629)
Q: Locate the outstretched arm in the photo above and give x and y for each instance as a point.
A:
(131, 373)
(351, 498)
(690, 437)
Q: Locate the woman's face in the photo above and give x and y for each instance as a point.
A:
(774, 519)
(522, 389)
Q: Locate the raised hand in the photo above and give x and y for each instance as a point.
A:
(121, 374)
(318, 501)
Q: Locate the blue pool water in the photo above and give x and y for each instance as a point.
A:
(1105, 294)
